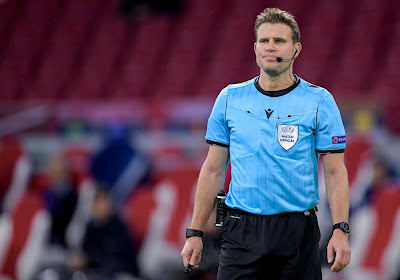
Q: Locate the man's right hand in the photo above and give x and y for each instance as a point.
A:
(191, 252)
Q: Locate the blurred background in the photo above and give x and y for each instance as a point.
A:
(103, 112)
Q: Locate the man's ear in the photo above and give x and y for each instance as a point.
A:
(297, 48)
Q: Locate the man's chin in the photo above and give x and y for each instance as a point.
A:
(271, 72)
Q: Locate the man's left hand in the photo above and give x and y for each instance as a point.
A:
(339, 244)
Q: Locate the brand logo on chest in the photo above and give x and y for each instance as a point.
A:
(269, 113)
(287, 135)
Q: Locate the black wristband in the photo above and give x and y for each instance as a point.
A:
(344, 226)
(194, 232)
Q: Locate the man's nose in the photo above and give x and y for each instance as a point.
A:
(270, 46)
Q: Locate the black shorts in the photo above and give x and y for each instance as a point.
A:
(281, 247)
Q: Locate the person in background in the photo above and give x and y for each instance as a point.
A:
(108, 250)
(60, 198)
(382, 174)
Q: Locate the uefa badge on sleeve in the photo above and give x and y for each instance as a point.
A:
(339, 139)
(287, 135)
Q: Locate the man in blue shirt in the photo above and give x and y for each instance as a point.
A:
(273, 129)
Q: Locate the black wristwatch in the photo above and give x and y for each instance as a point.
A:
(194, 232)
(344, 226)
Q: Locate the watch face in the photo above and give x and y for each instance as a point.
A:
(345, 227)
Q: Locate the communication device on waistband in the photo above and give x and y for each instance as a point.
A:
(221, 208)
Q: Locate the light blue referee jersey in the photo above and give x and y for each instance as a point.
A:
(274, 139)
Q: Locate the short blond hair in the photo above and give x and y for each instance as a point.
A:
(275, 15)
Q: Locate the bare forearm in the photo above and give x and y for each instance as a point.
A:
(209, 183)
(337, 189)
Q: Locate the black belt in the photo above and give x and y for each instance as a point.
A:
(239, 211)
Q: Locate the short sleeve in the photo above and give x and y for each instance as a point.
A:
(217, 129)
(330, 133)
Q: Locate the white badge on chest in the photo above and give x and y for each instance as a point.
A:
(287, 135)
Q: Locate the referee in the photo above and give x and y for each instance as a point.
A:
(273, 129)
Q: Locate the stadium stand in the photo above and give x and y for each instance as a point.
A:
(87, 50)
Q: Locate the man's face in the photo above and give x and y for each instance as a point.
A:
(274, 40)
(101, 208)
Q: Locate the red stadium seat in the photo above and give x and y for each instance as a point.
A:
(71, 33)
(137, 212)
(224, 69)
(136, 75)
(142, 59)
(357, 60)
(99, 61)
(9, 84)
(359, 147)
(24, 46)
(29, 225)
(375, 250)
(82, 12)
(10, 11)
(179, 72)
(15, 172)
(41, 13)
(54, 73)
(203, 11)
(159, 215)
(27, 42)
(312, 62)
(152, 28)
